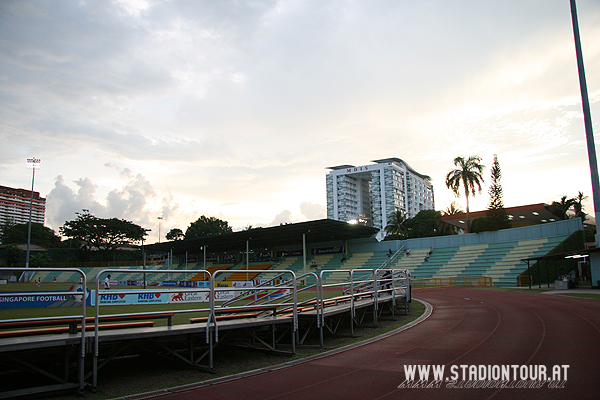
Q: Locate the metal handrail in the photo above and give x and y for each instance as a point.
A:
(81, 367)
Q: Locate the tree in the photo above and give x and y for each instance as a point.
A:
(496, 217)
(578, 206)
(175, 234)
(396, 225)
(105, 234)
(204, 226)
(13, 254)
(468, 175)
(445, 228)
(39, 260)
(40, 235)
(453, 209)
(424, 224)
(561, 208)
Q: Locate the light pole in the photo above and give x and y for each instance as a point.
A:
(159, 219)
(31, 163)
(587, 116)
(589, 135)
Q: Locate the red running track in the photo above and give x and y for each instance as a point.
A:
(467, 327)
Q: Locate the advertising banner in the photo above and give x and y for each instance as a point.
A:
(127, 299)
(243, 284)
(200, 297)
(189, 297)
(34, 300)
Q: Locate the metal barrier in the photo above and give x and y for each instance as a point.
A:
(362, 288)
(524, 280)
(289, 284)
(98, 293)
(360, 284)
(77, 296)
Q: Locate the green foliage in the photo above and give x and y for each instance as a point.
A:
(544, 271)
(40, 235)
(578, 206)
(103, 233)
(589, 235)
(560, 208)
(175, 234)
(445, 228)
(478, 225)
(468, 175)
(496, 217)
(39, 260)
(13, 254)
(569, 208)
(204, 226)
(425, 224)
(396, 227)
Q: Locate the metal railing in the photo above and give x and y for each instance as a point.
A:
(78, 294)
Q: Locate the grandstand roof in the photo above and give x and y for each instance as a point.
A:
(319, 231)
(532, 214)
(561, 256)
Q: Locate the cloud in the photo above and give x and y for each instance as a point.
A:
(284, 217)
(313, 211)
(234, 109)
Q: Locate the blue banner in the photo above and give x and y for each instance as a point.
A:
(34, 300)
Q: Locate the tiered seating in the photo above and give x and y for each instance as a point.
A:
(241, 275)
(504, 271)
(414, 261)
(211, 269)
(500, 261)
(291, 264)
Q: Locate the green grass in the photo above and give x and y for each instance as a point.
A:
(582, 295)
(544, 290)
(184, 311)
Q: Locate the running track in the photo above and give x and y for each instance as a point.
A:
(467, 326)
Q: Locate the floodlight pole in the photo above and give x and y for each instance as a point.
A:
(159, 219)
(587, 116)
(31, 163)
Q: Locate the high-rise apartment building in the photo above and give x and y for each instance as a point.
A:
(371, 193)
(14, 206)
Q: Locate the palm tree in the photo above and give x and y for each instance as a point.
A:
(446, 228)
(396, 224)
(453, 209)
(560, 208)
(578, 206)
(468, 175)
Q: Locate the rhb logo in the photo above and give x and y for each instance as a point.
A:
(148, 296)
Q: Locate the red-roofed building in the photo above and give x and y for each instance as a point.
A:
(14, 206)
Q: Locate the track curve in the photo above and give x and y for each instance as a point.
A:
(467, 327)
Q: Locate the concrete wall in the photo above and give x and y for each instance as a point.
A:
(550, 229)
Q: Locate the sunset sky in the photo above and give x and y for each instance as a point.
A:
(234, 109)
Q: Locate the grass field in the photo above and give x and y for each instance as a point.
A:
(545, 290)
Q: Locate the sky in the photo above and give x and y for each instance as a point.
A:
(234, 109)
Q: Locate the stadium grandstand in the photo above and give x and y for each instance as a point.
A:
(329, 245)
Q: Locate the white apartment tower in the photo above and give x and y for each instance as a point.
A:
(371, 193)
